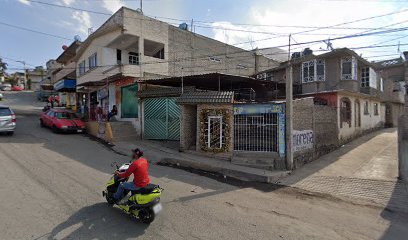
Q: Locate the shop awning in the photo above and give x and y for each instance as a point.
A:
(65, 85)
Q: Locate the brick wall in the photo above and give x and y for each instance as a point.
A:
(323, 121)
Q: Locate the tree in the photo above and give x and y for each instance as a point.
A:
(3, 66)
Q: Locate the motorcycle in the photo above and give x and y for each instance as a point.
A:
(143, 204)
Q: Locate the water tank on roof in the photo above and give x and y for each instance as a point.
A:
(183, 26)
(307, 51)
(296, 55)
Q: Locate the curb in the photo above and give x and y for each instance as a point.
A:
(243, 175)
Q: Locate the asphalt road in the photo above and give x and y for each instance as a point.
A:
(51, 189)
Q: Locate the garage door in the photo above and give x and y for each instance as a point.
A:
(161, 119)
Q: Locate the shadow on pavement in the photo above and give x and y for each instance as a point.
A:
(97, 221)
(396, 212)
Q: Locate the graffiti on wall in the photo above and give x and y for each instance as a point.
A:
(302, 140)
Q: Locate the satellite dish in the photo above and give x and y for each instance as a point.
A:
(77, 38)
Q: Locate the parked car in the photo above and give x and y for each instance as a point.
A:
(7, 120)
(62, 120)
(5, 87)
(16, 88)
(1, 96)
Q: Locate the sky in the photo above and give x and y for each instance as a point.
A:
(248, 24)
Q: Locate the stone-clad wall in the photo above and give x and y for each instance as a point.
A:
(188, 127)
(228, 153)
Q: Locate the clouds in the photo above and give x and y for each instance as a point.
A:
(68, 2)
(24, 2)
(83, 21)
(307, 13)
(113, 5)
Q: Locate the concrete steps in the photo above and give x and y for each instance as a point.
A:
(255, 160)
(123, 131)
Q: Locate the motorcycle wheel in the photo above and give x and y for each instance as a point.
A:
(146, 215)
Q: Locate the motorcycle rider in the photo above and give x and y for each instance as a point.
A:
(139, 169)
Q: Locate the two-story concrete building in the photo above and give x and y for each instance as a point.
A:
(34, 77)
(392, 73)
(65, 76)
(341, 79)
(130, 47)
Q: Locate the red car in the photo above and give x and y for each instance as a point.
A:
(16, 88)
(61, 120)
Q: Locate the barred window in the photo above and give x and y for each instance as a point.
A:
(313, 70)
(349, 68)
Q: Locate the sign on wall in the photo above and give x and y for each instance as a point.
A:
(245, 109)
(302, 140)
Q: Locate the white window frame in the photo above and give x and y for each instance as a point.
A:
(353, 74)
(365, 80)
(93, 63)
(315, 78)
(133, 58)
(209, 130)
(381, 84)
(82, 68)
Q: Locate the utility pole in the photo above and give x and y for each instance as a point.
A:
(25, 73)
(289, 112)
(141, 5)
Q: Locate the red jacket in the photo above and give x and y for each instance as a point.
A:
(139, 168)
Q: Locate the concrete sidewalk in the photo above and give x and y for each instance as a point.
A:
(157, 153)
(366, 170)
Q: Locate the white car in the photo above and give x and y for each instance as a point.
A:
(7, 120)
(1, 96)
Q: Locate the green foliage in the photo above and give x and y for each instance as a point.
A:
(3, 66)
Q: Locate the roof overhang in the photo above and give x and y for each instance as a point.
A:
(209, 81)
(102, 82)
(68, 53)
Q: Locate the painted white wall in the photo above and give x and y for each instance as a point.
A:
(368, 121)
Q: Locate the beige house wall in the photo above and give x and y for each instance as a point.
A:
(369, 121)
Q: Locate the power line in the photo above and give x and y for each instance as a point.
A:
(34, 31)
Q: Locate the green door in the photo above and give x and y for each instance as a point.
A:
(161, 119)
(129, 103)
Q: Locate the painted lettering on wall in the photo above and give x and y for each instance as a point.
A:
(302, 140)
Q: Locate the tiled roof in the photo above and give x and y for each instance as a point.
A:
(206, 97)
(159, 92)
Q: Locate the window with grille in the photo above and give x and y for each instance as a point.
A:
(133, 58)
(349, 68)
(256, 132)
(365, 77)
(313, 71)
(214, 138)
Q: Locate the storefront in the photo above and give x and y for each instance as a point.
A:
(66, 89)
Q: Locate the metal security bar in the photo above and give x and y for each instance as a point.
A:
(256, 132)
(214, 132)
